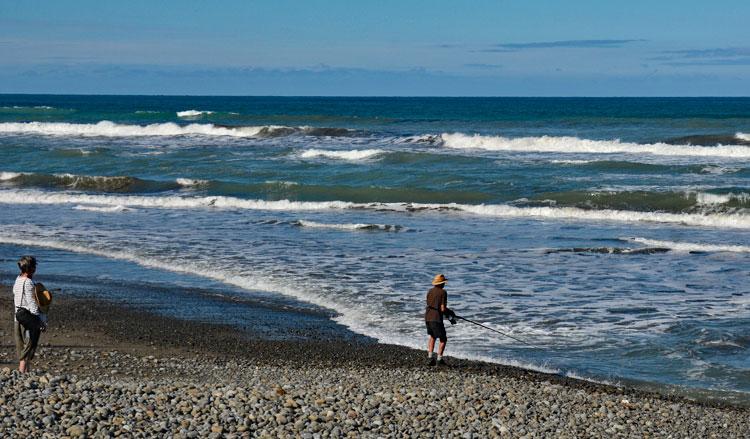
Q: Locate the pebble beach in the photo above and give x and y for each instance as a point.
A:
(135, 374)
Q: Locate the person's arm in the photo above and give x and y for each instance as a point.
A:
(444, 305)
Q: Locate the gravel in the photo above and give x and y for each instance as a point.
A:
(121, 378)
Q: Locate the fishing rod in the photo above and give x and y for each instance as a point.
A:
(499, 332)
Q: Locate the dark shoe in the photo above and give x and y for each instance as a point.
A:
(432, 361)
(441, 362)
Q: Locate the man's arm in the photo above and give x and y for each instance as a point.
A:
(444, 305)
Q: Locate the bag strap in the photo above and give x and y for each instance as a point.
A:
(23, 292)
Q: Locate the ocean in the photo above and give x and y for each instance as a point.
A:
(612, 234)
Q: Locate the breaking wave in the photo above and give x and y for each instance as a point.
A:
(365, 227)
(189, 182)
(121, 184)
(743, 136)
(100, 209)
(611, 250)
(716, 220)
(352, 155)
(642, 200)
(111, 129)
(689, 246)
(193, 113)
(585, 146)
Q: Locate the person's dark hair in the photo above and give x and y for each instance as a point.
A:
(27, 264)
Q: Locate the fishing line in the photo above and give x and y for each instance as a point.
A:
(500, 332)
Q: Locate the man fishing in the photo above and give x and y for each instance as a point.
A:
(437, 306)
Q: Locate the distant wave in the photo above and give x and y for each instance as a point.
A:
(611, 250)
(189, 182)
(193, 113)
(122, 184)
(743, 136)
(364, 227)
(717, 220)
(352, 155)
(689, 246)
(111, 129)
(642, 200)
(105, 209)
(33, 108)
(585, 146)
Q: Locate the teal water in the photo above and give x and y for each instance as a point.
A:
(611, 232)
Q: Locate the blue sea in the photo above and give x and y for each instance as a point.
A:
(613, 234)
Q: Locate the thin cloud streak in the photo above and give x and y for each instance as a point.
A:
(572, 44)
(721, 52)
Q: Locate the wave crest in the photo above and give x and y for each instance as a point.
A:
(122, 184)
(585, 146)
(110, 129)
(364, 227)
(688, 247)
(353, 155)
(193, 113)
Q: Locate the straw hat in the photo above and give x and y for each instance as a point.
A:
(439, 279)
(43, 297)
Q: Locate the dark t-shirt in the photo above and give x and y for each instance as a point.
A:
(435, 297)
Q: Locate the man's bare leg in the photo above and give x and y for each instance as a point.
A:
(23, 366)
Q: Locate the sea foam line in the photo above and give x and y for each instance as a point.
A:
(585, 146)
(716, 220)
(686, 247)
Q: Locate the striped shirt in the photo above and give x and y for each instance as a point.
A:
(23, 295)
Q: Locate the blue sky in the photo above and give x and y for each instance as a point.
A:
(316, 47)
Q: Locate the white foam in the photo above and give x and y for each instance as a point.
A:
(718, 220)
(106, 209)
(111, 129)
(585, 146)
(193, 113)
(705, 198)
(571, 162)
(353, 155)
(686, 247)
(719, 170)
(9, 175)
(358, 226)
(188, 182)
(743, 136)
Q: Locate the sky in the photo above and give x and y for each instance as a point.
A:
(381, 48)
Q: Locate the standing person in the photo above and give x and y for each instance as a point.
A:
(437, 305)
(24, 291)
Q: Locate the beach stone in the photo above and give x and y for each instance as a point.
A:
(75, 430)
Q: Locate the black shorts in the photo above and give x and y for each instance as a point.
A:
(437, 330)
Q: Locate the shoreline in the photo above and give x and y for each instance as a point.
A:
(132, 348)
